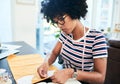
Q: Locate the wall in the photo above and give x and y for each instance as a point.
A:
(5, 21)
(116, 20)
(24, 22)
(116, 13)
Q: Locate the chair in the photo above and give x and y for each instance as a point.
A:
(113, 64)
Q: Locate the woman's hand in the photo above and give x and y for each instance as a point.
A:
(61, 76)
(42, 70)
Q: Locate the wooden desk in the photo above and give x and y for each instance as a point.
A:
(25, 49)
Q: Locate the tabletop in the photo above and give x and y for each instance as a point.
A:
(25, 49)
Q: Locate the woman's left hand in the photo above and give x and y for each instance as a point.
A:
(61, 76)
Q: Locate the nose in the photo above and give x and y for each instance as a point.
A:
(59, 25)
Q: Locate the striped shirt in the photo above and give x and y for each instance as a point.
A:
(80, 54)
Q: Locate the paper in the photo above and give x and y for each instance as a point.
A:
(6, 50)
(50, 73)
(25, 80)
(5, 53)
(42, 83)
(2, 71)
(26, 65)
(28, 79)
(72, 81)
(9, 47)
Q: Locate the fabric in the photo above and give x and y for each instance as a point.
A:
(25, 65)
(114, 43)
(72, 50)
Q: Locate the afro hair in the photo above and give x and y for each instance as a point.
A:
(76, 9)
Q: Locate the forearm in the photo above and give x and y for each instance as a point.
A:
(91, 77)
(52, 59)
(55, 52)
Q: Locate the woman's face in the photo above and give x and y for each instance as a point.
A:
(65, 23)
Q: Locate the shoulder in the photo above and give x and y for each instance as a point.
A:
(96, 33)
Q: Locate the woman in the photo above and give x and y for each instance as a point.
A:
(83, 51)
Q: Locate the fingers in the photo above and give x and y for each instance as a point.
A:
(55, 80)
(52, 77)
(42, 73)
(58, 77)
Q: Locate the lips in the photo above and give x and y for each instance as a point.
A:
(64, 30)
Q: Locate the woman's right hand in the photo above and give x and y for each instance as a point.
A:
(42, 69)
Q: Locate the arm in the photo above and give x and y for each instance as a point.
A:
(42, 69)
(95, 77)
(98, 75)
(55, 52)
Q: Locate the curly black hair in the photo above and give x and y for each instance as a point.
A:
(76, 9)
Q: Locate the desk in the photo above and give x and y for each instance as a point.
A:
(25, 49)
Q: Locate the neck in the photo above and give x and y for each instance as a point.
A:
(78, 31)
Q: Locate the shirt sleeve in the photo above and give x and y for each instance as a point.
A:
(100, 46)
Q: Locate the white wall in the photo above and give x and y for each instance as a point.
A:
(116, 13)
(24, 22)
(115, 20)
(5, 21)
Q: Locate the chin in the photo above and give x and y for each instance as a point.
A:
(67, 32)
